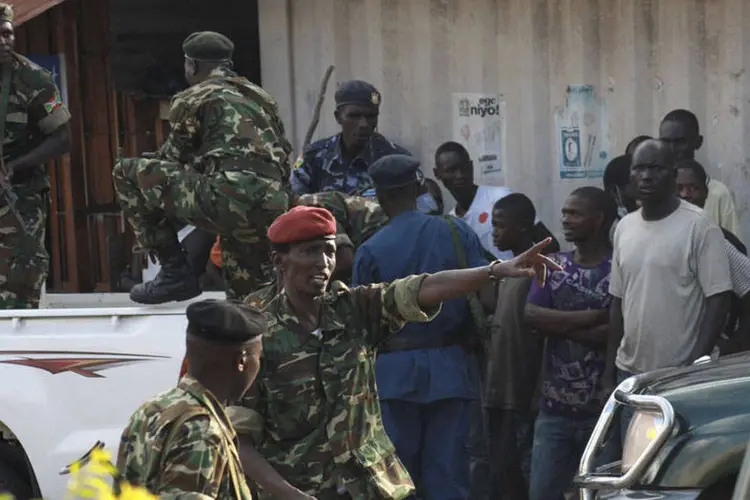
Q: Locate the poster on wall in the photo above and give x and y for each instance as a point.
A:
(55, 64)
(479, 124)
(582, 130)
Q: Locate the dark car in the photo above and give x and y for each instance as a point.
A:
(686, 441)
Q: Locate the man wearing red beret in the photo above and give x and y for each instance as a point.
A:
(311, 426)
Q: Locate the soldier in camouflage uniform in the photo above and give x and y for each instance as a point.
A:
(311, 423)
(181, 444)
(339, 163)
(224, 169)
(36, 132)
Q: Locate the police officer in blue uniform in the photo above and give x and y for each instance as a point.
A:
(340, 162)
(426, 376)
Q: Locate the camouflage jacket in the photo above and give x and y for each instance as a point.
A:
(180, 444)
(227, 123)
(321, 168)
(35, 110)
(313, 411)
(356, 216)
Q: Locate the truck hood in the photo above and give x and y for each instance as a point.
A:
(674, 380)
(711, 396)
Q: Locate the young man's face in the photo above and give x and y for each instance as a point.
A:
(683, 141)
(506, 233)
(455, 174)
(689, 187)
(580, 222)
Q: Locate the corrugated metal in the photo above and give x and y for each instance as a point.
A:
(645, 56)
(23, 10)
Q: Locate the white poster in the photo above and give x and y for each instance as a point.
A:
(479, 124)
(582, 127)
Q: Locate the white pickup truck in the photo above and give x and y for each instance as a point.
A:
(71, 374)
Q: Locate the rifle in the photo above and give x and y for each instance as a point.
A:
(7, 195)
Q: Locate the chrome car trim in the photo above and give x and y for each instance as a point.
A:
(587, 479)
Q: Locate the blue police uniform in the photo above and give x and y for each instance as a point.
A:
(321, 167)
(426, 378)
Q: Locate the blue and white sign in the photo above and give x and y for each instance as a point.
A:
(582, 127)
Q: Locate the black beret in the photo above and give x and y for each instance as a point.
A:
(357, 92)
(208, 46)
(395, 171)
(227, 322)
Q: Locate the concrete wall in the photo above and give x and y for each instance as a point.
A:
(644, 56)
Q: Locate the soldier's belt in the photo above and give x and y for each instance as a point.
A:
(258, 167)
(406, 343)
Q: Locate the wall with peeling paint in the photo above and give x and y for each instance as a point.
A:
(645, 57)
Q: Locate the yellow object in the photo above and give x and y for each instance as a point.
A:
(93, 479)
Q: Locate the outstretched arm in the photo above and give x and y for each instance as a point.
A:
(446, 285)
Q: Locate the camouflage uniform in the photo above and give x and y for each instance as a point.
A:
(224, 169)
(313, 411)
(356, 216)
(35, 110)
(180, 444)
(321, 168)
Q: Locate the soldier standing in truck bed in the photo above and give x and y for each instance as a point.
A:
(224, 169)
(35, 130)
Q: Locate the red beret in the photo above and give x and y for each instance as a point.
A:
(302, 223)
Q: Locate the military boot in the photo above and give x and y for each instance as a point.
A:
(175, 281)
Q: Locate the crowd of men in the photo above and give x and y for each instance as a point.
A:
(375, 347)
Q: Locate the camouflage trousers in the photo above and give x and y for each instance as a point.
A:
(24, 261)
(158, 197)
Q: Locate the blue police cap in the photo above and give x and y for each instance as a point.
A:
(395, 171)
(357, 92)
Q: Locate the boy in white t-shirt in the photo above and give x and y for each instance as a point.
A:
(455, 170)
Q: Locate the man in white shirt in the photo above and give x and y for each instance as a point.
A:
(474, 204)
(670, 274)
(680, 129)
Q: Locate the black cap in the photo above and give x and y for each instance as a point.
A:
(357, 92)
(208, 46)
(227, 322)
(395, 171)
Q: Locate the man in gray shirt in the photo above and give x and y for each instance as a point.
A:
(670, 274)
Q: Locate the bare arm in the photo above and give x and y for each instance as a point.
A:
(259, 470)
(616, 332)
(52, 146)
(446, 285)
(714, 317)
(554, 322)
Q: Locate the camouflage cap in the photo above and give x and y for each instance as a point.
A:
(394, 171)
(357, 92)
(208, 46)
(225, 322)
(6, 13)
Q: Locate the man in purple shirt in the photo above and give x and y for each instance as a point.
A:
(571, 311)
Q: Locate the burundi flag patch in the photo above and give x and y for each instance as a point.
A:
(53, 103)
